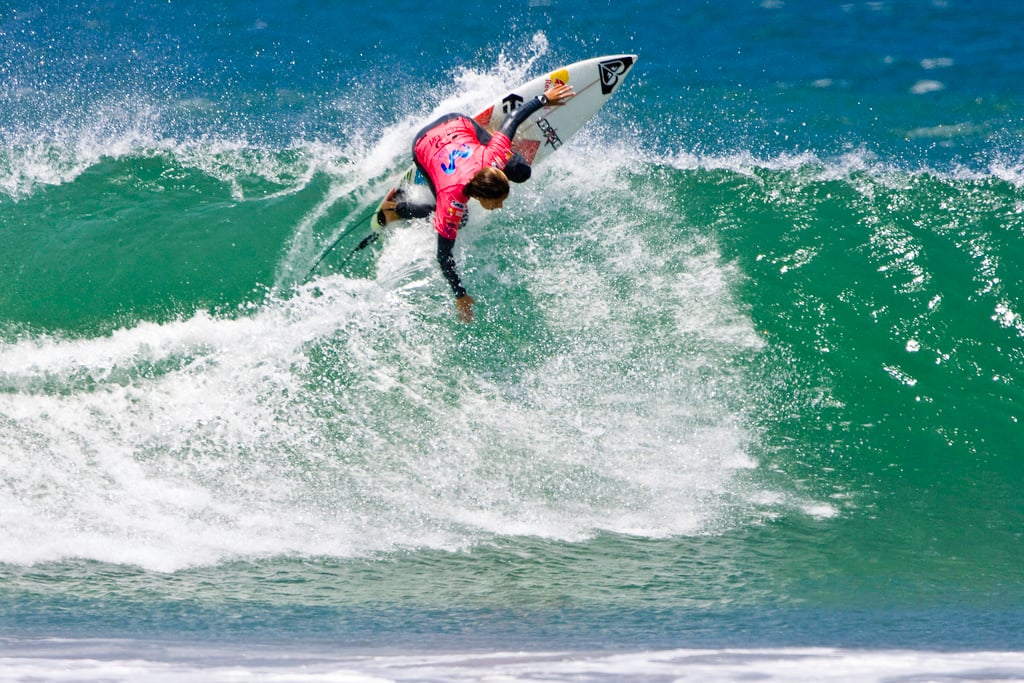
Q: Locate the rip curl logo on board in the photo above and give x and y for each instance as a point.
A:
(550, 134)
(462, 152)
(611, 71)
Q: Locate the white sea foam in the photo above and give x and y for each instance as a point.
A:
(334, 421)
(925, 86)
(86, 661)
(343, 418)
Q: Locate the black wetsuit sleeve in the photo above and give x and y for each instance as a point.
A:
(512, 123)
(517, 169)
(447, 263)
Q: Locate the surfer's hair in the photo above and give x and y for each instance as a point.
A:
(488, 183)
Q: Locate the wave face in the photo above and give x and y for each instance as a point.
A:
(747, 349)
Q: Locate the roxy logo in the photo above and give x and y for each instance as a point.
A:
(611, 71)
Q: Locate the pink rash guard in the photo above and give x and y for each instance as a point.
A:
(451, 154)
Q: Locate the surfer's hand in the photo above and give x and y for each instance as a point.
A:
(559, 93)
(464, 305)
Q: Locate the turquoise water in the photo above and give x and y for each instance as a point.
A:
(742, 398)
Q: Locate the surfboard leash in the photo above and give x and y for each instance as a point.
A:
(365, 242)
(345, 233)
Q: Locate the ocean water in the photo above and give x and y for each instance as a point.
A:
(742, 400)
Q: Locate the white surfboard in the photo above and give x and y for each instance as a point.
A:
(594, 80)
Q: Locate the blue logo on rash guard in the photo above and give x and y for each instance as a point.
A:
(463, 152)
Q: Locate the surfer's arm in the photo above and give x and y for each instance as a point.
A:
(446, 260)
(463, 302)
(517, 168)
(555, 95)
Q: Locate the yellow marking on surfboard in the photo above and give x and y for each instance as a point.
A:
(558, 77)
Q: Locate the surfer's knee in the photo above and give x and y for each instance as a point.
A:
(517, 170)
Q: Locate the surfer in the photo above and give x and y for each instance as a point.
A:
(460, 159)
